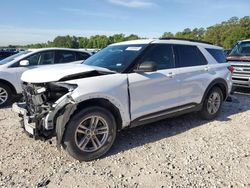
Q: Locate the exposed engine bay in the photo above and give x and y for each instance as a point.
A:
(40, 101)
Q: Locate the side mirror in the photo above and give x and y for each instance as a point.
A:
(147, 66)
(24, 63)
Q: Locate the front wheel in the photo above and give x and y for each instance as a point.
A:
(5, 95)
(212, 104)
(90, 133)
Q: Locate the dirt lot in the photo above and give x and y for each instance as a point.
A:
(184, 152)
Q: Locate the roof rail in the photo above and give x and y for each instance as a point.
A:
(191, 40)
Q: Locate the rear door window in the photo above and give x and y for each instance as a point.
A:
(64, 56)
(217, 54)
(187, 56)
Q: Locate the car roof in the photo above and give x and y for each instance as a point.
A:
(168, 41)
(131, 42)
(45, 49)
(245, 40)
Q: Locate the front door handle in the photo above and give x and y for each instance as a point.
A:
(171, 75)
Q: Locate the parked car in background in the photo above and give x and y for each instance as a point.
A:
(124, 85)
(239, 58)
(4, 53)
(227, 52)
(12, 67)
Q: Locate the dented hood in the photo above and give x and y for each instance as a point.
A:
(59, 72)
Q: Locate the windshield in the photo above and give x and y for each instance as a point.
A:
(116, 58)
(241, 49)
(11, 58)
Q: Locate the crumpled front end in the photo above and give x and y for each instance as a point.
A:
(44, 106)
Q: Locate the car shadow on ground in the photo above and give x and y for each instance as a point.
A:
(135, 137)
(15, 99)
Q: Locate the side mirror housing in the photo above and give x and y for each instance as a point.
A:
(147, 66)
(24, 63)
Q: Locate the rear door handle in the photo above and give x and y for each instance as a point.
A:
(206, 69)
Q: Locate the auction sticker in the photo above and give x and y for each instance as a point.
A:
(133, 48)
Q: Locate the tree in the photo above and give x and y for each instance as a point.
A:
(117, 38)
(225, 34)
(167, 35)
(83, 42)
(132, 37)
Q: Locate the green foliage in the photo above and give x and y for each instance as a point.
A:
(225, 34)
(97, 41)
(167, 35)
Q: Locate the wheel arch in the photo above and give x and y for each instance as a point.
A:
(64, 114)
(104, 103)
(13, 89)
(219, 82)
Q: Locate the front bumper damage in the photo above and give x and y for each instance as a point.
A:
(51, 124)
(26, 122)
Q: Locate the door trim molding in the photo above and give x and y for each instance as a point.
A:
(163, 114)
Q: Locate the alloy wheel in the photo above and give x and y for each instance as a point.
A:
(91, 134)
(214, 102)
(3, 95)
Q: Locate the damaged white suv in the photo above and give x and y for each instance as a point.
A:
(124, 85)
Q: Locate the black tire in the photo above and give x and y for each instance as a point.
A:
(205, 112)
(70, 139)
(5, 101)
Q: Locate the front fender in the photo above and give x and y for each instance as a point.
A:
(122, 106)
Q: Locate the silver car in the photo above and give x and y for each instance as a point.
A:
(12, 67)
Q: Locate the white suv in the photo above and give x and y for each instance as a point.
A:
(12, 67)
(124, 85)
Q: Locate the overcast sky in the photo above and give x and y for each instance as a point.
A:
(30, 21)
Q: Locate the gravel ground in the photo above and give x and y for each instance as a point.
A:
(178, 152)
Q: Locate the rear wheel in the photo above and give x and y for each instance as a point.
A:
(212, 104)
(5, 95)
(90, 133)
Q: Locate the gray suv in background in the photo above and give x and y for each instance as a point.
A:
(239, 58)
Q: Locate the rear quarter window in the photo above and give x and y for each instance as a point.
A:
(217, 54)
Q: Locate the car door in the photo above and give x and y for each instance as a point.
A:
(154, 92)
(193, 73)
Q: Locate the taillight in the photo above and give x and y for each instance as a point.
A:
(231, 69)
